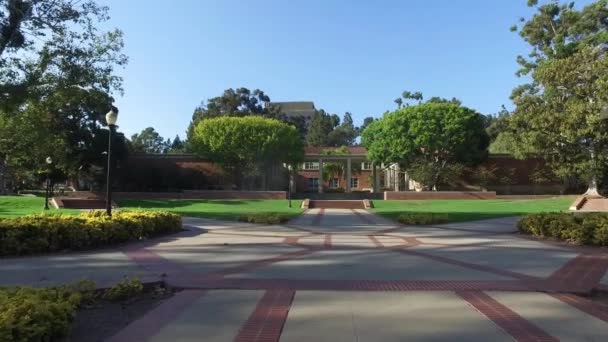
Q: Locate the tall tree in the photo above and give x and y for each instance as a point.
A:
(561, 114)
(345, 134)
(177, 145)
(247, 146)
(320, 127)
(235, 102)
(149, 141)
(432, 141)
(57, 72)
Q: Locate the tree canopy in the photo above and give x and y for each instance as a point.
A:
(428, 140)
(247, 145)
(57, 78)
(560, 114)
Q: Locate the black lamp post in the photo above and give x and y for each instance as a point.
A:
(111, 118)
(47, 192)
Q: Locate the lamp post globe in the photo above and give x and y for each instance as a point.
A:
(111, 118)
(289, 182)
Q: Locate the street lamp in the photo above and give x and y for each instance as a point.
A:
(111, 118)
(289, 182)
(49, 162)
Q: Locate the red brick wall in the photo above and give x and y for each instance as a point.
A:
(202, 194)
(427, 195)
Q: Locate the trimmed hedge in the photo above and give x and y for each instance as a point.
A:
(52, 233)
(423, 218)
(587, 229)
(264, 218)
(30, 314)
(47, 314)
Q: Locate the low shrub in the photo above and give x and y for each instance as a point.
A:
(30, 314)
(588, 229)
(264, 218)
(128, 288)
(423, 218)
(51, 233)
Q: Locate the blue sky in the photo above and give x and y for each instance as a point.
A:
(355, 56)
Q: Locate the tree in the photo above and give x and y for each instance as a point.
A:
(320, 127)
(437, 99)
(247, 146)
(366, 122)
(57, 76)
(38, 38)
(235, 102)
(177, 145)
(561, 114)
(432, 139)
(345, 134)
(149, 141)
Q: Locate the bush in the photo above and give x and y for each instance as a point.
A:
(51, 233)
(124, 290)
(588, 229)
(264, 218)
(423, 218)
(30, 314)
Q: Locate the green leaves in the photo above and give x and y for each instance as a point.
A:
(246, 143)
(428, 139)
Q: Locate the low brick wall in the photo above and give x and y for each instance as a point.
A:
(202, 194)
(430, 195)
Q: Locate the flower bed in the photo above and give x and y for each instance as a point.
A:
(587, 229)
(51, 233)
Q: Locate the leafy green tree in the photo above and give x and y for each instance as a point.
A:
(57, 72)
(247, 146)
(366, 122)
(433, 139)
(149, 141)
(561, 113)
(320, 127)
(235, 102)
(345, 134)
(437, 99)
(177, 145)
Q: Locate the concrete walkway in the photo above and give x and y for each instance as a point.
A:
(349, 275)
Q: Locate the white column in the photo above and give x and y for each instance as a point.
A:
(396, 178)
(376, 179)
(349, 175)
(320, 176)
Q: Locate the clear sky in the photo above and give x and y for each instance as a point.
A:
(345, 55)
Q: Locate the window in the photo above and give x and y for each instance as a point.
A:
(333, 183)
(310, 166)
(366, 166)
(354, 183)
(313, 183)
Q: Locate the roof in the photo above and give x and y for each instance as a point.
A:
(296, 108)
(353, 150)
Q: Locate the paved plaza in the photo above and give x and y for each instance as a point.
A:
(348, 275)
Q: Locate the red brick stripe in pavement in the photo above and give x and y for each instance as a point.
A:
(153, 322)
(265, 324)
(582, 273)
(318, 218)
(596, 310)
(363, 285)
(375, 241)
(508, 320)
(362, 217)
(327, 242)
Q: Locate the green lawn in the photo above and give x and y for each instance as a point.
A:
(13, 206)
(217, 209)
(470, 210)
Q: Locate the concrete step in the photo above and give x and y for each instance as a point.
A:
(336, 204)
(83, 203)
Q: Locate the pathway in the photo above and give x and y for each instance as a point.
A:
(350, 275)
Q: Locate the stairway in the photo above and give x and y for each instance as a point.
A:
(336, 204)
(81, 203)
